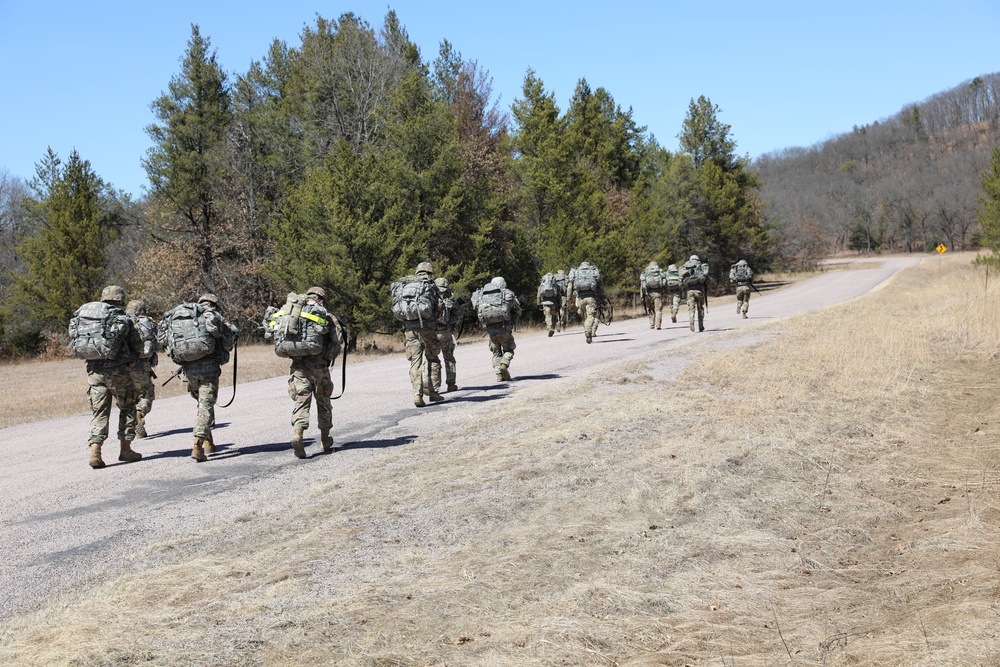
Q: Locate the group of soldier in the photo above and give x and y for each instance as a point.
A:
(122, 370)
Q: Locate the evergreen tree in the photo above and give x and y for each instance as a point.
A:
(74, 220)
(989, 206)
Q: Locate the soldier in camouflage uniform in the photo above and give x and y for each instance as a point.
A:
(142, 372)
(202, 377)
(422, 342)
(697, 293)
(111, 379)
(309, 377)
(674, 290)
(586, 300)
(563, 281)
(446, 335)
(501, 334)
(742, 276)
(552, 304)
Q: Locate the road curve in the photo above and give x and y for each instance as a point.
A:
(65, 526)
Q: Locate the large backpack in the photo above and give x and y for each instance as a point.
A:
(587, 279)
(653, 279)
(414, 300)
(494, 305)
(549, 288)
(673, 279)
(98, 330)
(299, 328)
(185, 333)
(694, 274)
(146, 327)
(741, 273)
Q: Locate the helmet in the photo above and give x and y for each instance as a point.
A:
(560, 272)
(499, 282)
(441, 282)
(694, 258)
(425, 267)
(742, 262)
(653, 265)
(113, 293)
(583, 264)
(135, 307)
(317, 292)
(672, 267)
(209, 298)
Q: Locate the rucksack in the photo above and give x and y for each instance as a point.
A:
(694, 274)
(299, 328)
(146, 327)
(185, 333)
(741, 273)
(414, 300)
(98, 330)
(587, 279)
(550, 287)
(493, 306)
(673, 279)
(653, 278)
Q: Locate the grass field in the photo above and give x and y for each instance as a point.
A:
(821, 491)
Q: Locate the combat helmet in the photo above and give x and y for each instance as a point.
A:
(672, 267)
(499, 282)
(135, 307)
(425, 267)
(441, 282)
(694, 258)
(653, 265)
(113, 293)
(208, 297)
(317, 292)
(742, 262)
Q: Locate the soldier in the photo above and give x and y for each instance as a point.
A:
(550, 299)
(652, 285)
(102, 333)
(563, 281)
(308, 334)
(446, 323)
(694, 275)
(674, 289)
(416, 303)
(498, 309)
(142, 372)
(586, 287)
(202, 328)
(741, 275)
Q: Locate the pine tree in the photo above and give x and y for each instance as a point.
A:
(989, 202)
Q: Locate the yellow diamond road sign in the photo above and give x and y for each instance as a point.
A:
(942, 249)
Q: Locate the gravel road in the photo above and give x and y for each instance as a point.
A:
(65, 526)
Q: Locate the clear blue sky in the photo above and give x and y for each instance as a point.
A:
(783, 72)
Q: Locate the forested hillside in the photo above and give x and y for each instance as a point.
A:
(905, 184)
(345, 159)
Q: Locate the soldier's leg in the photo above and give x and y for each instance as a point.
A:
(432, 351)
(208, 392)
(415, 355)
(675, 306)
(658, 309)
(692, 308)
(508, 351)
(300, 390)
(323, 390)
(447, 344)
(124, 390)
(701, 311)
(591, 324)
(100, 404)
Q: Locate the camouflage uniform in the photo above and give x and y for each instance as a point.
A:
(653, 296)
(696, 295)
(501, 334)
(551, 305)
(421, 341)
(142, 372)
(111, 380)
(742, 281)
(563, 281)
(674, 290)
(202, 377)
(586, 302)
(446, 335)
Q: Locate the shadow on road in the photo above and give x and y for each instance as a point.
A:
(547, 376)
(176, 431)
(377, 444)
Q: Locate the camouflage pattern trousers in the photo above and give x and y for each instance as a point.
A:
(502, 346)
(586, 306)
(552, 317)
(203, 385)
(142, 376)
(655, 309)
(308, 377)
(696, 309)
(446, 342)
(742, 299)
(104, 386)
(420, 344)
(564, 311)
(675, 304)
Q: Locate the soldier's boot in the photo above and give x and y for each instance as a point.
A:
(140, 424)
(590, 337)
(435, 384)
(673, 318)
(692, 324)
(297, 442)
(209, 444)
(504, 372)
(436, 397)
(738, 307)
(551, 331)
(499, 375)
(418, 400)
(452, 386)
(95, 456)
(326, 440)
(127, 454)
(197, 450)
(744, 316)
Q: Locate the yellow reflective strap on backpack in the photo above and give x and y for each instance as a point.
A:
(315, 318)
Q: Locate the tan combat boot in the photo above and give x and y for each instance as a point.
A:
(504, 373)
(418, 400)
(452, 387)
(209, 444)
(297, 446)
(197, 453)
(95, 456)
(127, 454)
(326, 440)
(140, 425)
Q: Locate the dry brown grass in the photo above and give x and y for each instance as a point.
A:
(823, 496)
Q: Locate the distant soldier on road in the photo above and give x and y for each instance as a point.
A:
(586, 287)
(741, 275)
(446, 323)
(652, 287)
(694, 277)
(549, 297)
(416, 303)
(498, 309)
(143, 373)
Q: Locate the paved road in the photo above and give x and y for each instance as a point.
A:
(64, 525)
